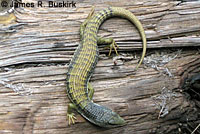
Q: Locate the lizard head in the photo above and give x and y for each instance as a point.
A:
(115, 120)
(103, 116)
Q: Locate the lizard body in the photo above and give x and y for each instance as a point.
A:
(82, 66)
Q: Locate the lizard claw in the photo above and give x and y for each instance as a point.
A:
(114, 46)
(71, 118)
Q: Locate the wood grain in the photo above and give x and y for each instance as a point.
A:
(35, 52)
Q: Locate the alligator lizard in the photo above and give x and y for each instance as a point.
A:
(83, 63)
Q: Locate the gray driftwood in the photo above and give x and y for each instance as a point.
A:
(36, 50)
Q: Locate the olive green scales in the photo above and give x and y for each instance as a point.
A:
(83, 63)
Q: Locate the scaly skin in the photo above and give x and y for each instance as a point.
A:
(82, 66)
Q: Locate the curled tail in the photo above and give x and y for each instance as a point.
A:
(117, 11)
(94, 24)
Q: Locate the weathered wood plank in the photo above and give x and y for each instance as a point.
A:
(35, 53)
(132, 95)
(51, 37)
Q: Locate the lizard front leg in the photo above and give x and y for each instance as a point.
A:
(71, 107)
(70, 115)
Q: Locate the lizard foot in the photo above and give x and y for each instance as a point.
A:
(91, 13)
(113, 46)
(71, 118)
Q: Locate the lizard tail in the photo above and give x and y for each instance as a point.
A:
(117, 11)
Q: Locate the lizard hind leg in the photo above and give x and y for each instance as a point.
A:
(100, 40)
(84, 24)
(110, 41)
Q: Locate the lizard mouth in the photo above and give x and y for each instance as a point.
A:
(116, 120)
